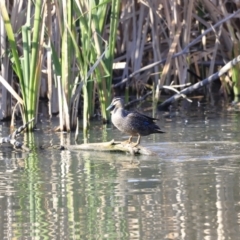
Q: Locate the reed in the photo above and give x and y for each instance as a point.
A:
(92, 22)
(85, 60)
(78, 42)
(235, 45)
(28, 65)
(6, 72)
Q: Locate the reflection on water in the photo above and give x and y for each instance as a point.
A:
(190, 190)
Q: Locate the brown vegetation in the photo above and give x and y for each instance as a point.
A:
(157, 42)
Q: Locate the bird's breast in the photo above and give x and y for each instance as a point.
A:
(120, 120)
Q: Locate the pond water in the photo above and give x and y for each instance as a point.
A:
(189, 190)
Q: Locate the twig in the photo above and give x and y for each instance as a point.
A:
(202, 83)
(12, 138)
(180, 85)
(20, 129)
(175, 90)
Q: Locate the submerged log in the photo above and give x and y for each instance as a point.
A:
(113, 146)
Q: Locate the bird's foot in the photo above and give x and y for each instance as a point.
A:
(125, 142)
(134, 144)
(128, 141)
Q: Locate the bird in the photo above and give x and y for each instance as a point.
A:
(132, 122)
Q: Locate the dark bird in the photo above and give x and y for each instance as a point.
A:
(132, 122)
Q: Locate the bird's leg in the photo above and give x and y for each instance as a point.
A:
(138, 141)
(128, 141)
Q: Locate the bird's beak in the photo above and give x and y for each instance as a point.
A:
(110, 107)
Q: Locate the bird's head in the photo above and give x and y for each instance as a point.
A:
(117, 102)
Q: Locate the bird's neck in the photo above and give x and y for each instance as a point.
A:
(119, 111)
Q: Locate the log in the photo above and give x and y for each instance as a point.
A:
(200, 84)
(113, 146)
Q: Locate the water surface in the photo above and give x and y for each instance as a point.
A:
(189, 190)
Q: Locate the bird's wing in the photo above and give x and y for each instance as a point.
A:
(136, 116)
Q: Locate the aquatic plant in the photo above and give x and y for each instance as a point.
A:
(27, 64)
(148, 45)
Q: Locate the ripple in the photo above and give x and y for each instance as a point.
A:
(190, 190)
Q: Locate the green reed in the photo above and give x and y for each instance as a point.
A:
(27, 65)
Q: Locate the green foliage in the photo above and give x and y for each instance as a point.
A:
(28, 66)
(82, 44)
(235, 72)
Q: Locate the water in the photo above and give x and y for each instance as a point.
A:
(189, 190)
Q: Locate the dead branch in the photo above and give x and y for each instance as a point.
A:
(202, 83)
(113, 146)
(12, 138)
(175, 90)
